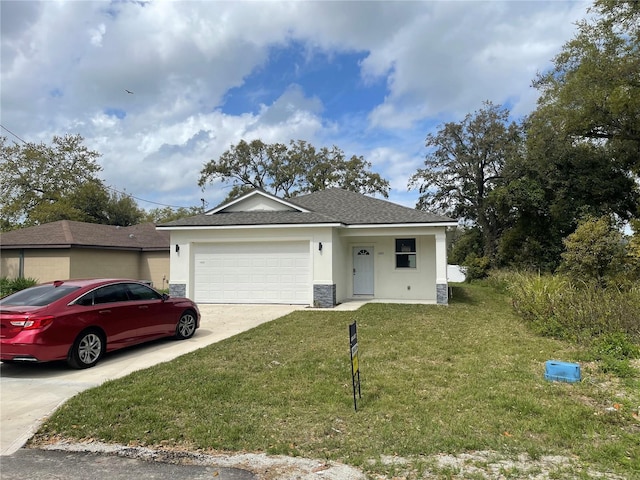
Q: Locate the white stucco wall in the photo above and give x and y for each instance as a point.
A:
(396, 283)
(182, 265)
(334, 264)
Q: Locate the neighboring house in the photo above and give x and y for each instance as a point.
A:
(65, 249)
(318, 249)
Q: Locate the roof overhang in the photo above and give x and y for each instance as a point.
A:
(404, 225)
(247, 227)
(312, 225)
(92, 247)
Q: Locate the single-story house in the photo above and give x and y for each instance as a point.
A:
(66, 249)
(319, 249)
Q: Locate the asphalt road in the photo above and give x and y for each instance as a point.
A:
(53, 465)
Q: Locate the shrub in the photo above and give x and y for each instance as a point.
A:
(594, 252)
(5, 288)
(616, 345)
(476, 268)
(9, 286)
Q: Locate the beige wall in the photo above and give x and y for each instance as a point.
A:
(43, 265)
(9, 264)
(88, 263)
(154, 266)
(48, 265)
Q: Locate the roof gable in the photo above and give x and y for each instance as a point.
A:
(256, 201)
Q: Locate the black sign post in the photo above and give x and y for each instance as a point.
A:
(355, 367)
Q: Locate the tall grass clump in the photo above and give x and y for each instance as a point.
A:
(539, 299)
(606, 320)
(555, 306)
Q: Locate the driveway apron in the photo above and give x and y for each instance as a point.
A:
(29, 393)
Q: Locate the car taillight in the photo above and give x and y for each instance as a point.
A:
(31, 323)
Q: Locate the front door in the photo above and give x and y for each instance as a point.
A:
(363, 270)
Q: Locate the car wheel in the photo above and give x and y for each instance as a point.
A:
(86, 350)
(186, 326)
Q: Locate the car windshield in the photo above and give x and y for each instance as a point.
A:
(37, 296)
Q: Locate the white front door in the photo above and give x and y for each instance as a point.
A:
(363, 270)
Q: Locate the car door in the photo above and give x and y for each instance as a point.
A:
(156, 318)
(110, 308)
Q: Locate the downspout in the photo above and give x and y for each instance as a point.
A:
(21, 264)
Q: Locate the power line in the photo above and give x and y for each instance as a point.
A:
(5, 128)
(106, 186)
(142, 199)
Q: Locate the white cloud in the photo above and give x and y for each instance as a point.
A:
(66, 66)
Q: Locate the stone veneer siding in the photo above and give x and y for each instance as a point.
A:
(178, 289)
(324, 296)
(442, 294)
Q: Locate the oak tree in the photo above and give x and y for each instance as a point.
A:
(291, 170)
(465, 163)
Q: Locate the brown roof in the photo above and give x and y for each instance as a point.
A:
(66, 234)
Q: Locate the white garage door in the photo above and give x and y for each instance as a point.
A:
(252, 273)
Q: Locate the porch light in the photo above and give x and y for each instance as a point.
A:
(177, 248)
(319, 246)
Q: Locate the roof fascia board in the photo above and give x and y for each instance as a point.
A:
(251, 194)
(34, 247)
(236, 227)
(402, 225)
(80, 246)
(312, 225)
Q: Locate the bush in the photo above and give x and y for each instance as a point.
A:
(476, 268)
(616, 345)
(595, 252)
(9, 286)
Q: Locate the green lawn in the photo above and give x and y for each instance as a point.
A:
(435, 379)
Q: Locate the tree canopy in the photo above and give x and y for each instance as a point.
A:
(593, 90)
(42, 183)
(465, 164)
(291, 170)
(576, 156)
(168, 214)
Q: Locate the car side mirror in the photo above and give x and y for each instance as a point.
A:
(165, 297)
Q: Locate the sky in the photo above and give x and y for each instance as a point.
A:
(371, 77)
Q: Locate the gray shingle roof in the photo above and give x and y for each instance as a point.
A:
(324, 207)
(66, 233)
(353, 208)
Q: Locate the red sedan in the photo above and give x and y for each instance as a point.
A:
(79, 320)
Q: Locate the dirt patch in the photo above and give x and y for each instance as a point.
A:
(480, 465)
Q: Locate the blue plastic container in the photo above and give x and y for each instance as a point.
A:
(558, 371)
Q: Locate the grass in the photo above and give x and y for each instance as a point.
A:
(435, 380)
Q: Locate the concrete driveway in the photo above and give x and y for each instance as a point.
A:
(29, 393)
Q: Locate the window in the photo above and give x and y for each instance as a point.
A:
(110, 294)
(141, 292)
(405, 253)
(38, 296)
